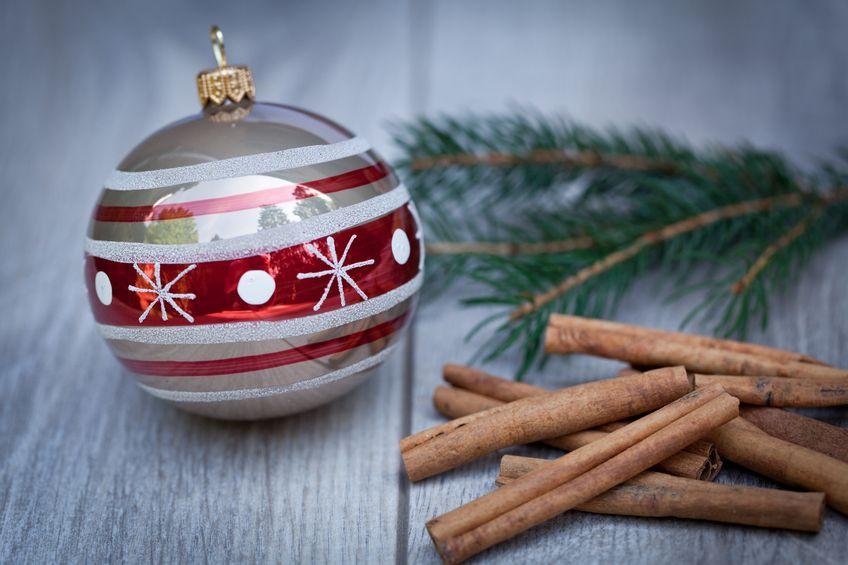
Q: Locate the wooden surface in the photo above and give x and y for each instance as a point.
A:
(92, 469)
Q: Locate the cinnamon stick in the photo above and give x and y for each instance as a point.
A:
(644, 349)
(780, 355)
(775, 391)
(507, 390)
(795, 428)
(744, 443)
(483, 383)
(580, 475)
(700, 447)
(779, 391)
(705, 448)
(539, 417)
(456, 402)
(657, 495)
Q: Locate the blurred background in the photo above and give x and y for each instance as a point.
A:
(83, 82)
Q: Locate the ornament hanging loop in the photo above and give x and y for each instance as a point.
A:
(217, 86)
(217, 38)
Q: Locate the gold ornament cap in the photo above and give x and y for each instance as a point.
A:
(233, 83)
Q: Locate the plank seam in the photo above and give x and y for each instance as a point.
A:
(402, 542)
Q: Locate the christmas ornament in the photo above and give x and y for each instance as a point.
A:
(253, 260)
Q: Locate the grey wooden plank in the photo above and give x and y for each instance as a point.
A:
(91, 468)
(757, 70)
(712, 72)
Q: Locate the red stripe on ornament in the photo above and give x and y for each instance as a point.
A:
(267, 360)
(214, 284)
(267, 197)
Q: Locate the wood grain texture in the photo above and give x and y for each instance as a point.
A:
(755, 70)
(92, 469)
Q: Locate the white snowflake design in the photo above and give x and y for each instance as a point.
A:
(337, 271)
(163, 293)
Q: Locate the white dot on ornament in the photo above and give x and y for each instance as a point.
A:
(400, 246)
(256, 287)
(103, 288)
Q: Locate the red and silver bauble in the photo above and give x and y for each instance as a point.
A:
(253, 266)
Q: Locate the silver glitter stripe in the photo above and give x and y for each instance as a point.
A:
(264, 241)
(250, 393)
(237, 166)
(260, 331)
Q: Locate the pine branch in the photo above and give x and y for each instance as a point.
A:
(652, 238)
(763, 260)
(533, 208)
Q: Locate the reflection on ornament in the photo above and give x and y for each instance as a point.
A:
(337, 271)
(419, 234)
(163, 293)
(230, 114)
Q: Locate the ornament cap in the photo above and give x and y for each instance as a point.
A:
(217, 86)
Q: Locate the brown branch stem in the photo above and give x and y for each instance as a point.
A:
(792, 200)
(565, 157)
(508, 249)
(763, 260)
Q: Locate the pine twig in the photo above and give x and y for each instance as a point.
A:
(762, 261)
(543, 186)
(508, 249)
(652, 238)
(581, 159)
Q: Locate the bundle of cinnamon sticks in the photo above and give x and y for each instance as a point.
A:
(645, 443)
